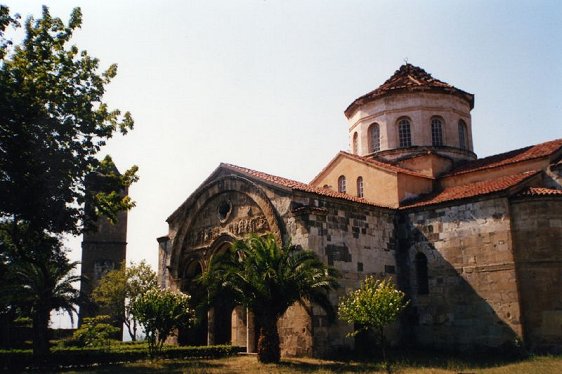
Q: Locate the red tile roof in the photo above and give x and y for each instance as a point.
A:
(472, 190)
(299, 186)
(409, 78)
(370, 161)
(518, 155)
(386, 165)
(540, 191)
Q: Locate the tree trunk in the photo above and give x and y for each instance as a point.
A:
(268, 342)
(381, 334)
(40, 334)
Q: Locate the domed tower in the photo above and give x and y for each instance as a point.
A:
(411, 114)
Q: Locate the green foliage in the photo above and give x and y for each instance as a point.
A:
(268, 279)
(64, 357)
(375, 304)
(37, 285)
(53, 122)
(118, 289)
(161, 312)
(94, 332)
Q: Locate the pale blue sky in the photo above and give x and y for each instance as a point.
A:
(263, 84)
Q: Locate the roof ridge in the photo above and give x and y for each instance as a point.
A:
(387, 165)
(540, 191)
(517, 155)
(300, 186)
(468, 190)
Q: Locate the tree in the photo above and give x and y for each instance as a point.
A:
(161, 312)
(374, 305)
(39, 285)
(53, 122)
(118, 289)
(94, 332)
(268, 278)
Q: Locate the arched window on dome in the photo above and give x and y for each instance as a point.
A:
(436, 131)
(404, 135)
(360, 186)
(374, 138)
(355, 146)
(463, 135)
(421, 274)
(341, 184)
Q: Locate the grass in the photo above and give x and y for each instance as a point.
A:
(248, 364)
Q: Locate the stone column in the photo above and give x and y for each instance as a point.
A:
(211, 326)
(250, 332)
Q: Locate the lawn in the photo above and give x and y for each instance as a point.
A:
(249, 365)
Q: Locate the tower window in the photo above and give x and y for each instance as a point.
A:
(404, 134)
(374, 137)
(355, 149)
(421, 274)
(436, 132)
(360, 186)
(341, 184)
(463, 135)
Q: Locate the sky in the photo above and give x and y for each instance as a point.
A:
(263, 84)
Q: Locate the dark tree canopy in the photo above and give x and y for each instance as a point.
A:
(53, 122)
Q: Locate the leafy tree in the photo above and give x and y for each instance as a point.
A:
(118, 289)
(94, 332)
(268, 278)
(161, 312)
(38, 285)
(53, 122)
(374, 305)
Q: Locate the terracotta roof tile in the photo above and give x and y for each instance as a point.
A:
(299, 186)
(385, 165)
(540, 191)
(409, 78)
(471, 190)
(511, 157)
(367, 160)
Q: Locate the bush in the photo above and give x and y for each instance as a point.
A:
(17, 360)
(94, 332)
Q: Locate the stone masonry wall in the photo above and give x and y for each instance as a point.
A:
(355, 239)
(472, 298)
(537, 236)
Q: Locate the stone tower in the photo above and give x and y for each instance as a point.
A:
(103, 249)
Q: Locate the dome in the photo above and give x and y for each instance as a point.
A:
(412, 112)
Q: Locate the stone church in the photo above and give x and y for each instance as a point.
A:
(475, 243)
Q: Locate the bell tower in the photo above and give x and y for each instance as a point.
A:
(104, 248)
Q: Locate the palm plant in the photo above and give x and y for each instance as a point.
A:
(41, 285)
(268, 278)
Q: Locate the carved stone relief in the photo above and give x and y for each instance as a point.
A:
(230, 213)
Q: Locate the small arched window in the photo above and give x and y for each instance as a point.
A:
(360, 186)
(341, 184)
(436, 132)
(355, 149)
(404, 135)
(463, 135)
(421, 274)
(375, 138)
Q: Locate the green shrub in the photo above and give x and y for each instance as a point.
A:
(18, 360)
(94, 332)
